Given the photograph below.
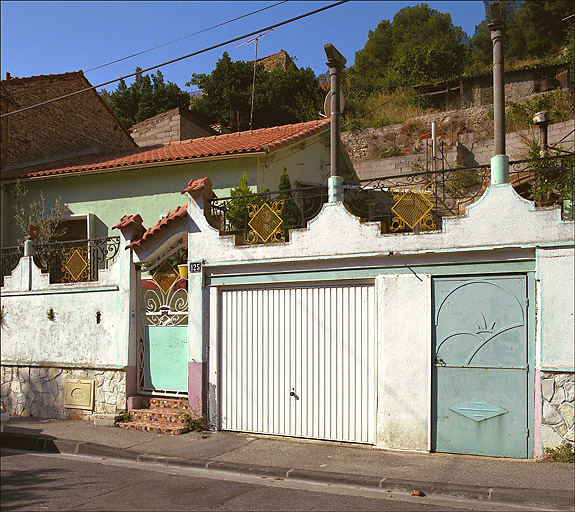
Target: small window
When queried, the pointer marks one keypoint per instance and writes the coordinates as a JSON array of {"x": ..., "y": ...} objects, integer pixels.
[{"x": 73, "y": 228}]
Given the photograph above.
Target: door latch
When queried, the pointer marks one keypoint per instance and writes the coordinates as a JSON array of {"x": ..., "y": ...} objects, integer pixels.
[
  {"x": 439, "y": 361},
  {"x": 292, "y": 392}
]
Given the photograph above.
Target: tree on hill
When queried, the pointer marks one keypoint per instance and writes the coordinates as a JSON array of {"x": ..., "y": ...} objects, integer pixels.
[
  {"x": 534, "y": 29},
  {"x": 421, "y": 44},
  {"x": 145, "y": 98},
  {"x": 281, "y": 97}
]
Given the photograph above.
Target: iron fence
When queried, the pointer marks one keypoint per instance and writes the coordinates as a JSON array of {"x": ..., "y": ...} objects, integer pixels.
[
  {"x": 411, "y": 202},
  {"x": 77, "y": 261},
  {"x": 9, "y": 258},
  {"x": 548, "y": 181},
  {"x": 267, "y": 216},
  {"x": 416, "y": 202}
]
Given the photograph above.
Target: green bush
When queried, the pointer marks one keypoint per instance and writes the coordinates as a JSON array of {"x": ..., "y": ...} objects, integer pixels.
[
  {"x": 519, "y": 115},
  {"x": 563, "y": 453},
  {"x": 193, "y": 422},
  {"x": 124, "y": 417}
]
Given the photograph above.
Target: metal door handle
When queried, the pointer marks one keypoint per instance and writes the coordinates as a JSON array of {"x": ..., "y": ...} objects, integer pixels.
[
  {"x": 439, "y": 361},
  {"x": 292, "y": 392}
]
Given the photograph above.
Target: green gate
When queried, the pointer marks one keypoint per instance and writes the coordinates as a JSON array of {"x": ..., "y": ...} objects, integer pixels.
[
  {"x": 480, "y": 366},
  {"x": 163, "y": 353}
]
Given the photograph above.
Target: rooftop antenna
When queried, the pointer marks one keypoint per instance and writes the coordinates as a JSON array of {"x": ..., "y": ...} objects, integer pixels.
[{"x": 256, "y": 39}]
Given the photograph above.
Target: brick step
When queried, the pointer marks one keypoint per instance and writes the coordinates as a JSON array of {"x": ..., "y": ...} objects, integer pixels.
[
  {"x": 169, "y": 403},
  {"x": 157, "y": 427},
  {"x": 159, "y": 414}
]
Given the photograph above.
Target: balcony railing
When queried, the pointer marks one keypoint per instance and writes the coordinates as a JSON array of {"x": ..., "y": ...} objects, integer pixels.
[
  {"x": 9, "y": 258},
  {"x": 268, "y": 216},
  {"x": 67, "y": 262},
  {"x": 78, "y": 260},
  {"x": 414, "y": 202}
]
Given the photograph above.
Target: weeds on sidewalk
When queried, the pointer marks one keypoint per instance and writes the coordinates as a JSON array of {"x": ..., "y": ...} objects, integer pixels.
[
  {"x": 124, "y": 417},
  {"x": 193, "y": 419},
  {"x": 563, "y": 453}
]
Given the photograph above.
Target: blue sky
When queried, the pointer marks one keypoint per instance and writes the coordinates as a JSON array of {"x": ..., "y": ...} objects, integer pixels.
[{"x": 56, "y": 37}]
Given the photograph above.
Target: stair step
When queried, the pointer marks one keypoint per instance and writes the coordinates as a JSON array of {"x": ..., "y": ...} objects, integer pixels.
[
  {"x": 155, "y": 426},
  {"x": 169, "y": 403},
  {"x": 159, "y": 414}
]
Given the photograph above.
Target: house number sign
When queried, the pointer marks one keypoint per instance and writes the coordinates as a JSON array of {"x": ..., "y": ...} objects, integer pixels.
[{"x": 195, "y": 267}]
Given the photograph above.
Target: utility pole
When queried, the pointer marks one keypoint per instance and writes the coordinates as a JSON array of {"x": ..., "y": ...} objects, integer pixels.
[
  {"x": 336, "y": 62},
  {"x": 499, "y": 161}
]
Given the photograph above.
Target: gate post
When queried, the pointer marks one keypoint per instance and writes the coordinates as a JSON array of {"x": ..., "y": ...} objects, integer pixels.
[{"x": 132, "y": 228}]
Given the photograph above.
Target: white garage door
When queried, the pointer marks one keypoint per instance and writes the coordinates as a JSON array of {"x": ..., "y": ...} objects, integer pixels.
[{"x": 299, "y": 362}]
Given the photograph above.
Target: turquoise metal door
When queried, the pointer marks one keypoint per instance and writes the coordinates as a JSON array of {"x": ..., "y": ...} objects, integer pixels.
[
  {"x": 480, "y": 366},
  {"x": 163, "y": 353},
  {"x": 166, "y": 353}
]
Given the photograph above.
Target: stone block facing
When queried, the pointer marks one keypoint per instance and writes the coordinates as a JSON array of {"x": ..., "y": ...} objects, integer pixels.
[
  {"x": 557, "y": 394},
  {"x": 39, "y": 391}
]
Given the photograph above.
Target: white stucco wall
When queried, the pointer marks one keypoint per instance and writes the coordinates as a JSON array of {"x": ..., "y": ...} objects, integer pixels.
[
  {"x": 74, "y": 337},
  {"x": 500, "y": 219},
  {"x": 501, "y": 226},
  {"x": 555, "y": 275},
  {"x": 403, "y": 361}
]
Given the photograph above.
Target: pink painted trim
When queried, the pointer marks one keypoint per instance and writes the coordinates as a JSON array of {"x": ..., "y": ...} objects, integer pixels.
[
  {"x": 537, "y": 450},
  {"x": 196, "y": 385},
  {"x": 131, "y": 380}
]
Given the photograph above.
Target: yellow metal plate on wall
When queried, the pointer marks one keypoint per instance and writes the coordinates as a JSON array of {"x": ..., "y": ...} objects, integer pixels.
[{"x": 79, "y": 394}]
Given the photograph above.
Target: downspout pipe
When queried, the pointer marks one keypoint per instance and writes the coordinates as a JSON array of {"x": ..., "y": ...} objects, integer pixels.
[
  {"x": 499, "y": 161},
  {"x": 336, "y": 62}
]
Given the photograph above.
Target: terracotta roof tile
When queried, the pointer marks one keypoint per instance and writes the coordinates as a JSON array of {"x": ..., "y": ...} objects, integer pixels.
[
  {"x": 16, "y": 79},
  {"x": 195, "y": 185},
  {"x": 178, "y": 213},
  {"x": 129, "y": 220},
  {"x": 264, "y": 139}
]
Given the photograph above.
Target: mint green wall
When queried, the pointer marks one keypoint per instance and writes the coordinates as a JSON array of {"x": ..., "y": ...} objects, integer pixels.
[
  {"x": 155, "y": 191},
  {"x": 308, "y": 162},
  {"x": 151, "y": 192}
]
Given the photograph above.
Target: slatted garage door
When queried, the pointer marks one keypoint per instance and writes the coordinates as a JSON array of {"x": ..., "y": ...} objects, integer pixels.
[{"x": 299, "y": 362}]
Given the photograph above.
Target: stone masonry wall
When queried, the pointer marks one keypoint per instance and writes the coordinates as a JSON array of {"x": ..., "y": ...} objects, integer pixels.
[
  {"x": 469, "y": 153},
  {"x": 76, "y": 125},
  {"x": 557, "y": 392},
  {"x": 39, "y": 391}
]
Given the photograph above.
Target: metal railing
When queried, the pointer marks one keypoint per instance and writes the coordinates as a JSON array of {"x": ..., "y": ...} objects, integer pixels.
[
  {"x": 412, "y": 202},
  {"x": 67, "y": 262},
  {"x": 416, "y": 202},
  {"x": 267, "y": 216},
  {"x": 78, "y": 260},
  {"x": 9, "y": 258}
]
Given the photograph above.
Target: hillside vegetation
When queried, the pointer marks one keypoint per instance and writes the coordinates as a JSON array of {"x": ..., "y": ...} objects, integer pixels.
[{"x": 419, "y": 45}]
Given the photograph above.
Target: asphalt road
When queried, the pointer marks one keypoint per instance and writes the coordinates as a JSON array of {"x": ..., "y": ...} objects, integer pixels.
[{"x": 33, "y": 481}]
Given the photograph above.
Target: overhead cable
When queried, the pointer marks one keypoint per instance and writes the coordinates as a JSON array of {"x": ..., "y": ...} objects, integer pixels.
[
  {"x": 185, "y": 37},
  {"x": 219, "y": 45}
]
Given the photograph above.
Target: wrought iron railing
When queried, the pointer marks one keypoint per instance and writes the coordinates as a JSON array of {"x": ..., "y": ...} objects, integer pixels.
[
  {"x": 267, "y": 216},
  {"x": 78, "y": 260},
  {"x": 412, "y": 202},
  {"x": 549, "y": 181},
  {"x": 416, "y": 202},
  {"x": 9, "y": 258}
]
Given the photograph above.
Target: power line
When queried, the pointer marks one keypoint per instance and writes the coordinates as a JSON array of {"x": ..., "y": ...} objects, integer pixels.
[
  {"x": 219, "y": 45},
  {"x": 185, "y": 37}
]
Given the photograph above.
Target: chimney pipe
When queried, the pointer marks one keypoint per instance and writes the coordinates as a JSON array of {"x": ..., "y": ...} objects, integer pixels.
[{"x": 541, "y": 119}]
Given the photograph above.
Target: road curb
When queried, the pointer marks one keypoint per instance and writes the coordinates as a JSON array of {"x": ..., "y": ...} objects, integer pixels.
[{"x": 534, "y": 497}]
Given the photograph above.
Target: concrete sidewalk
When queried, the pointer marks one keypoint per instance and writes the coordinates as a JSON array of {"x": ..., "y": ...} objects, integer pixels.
[{"x": 544, "y": 484}]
